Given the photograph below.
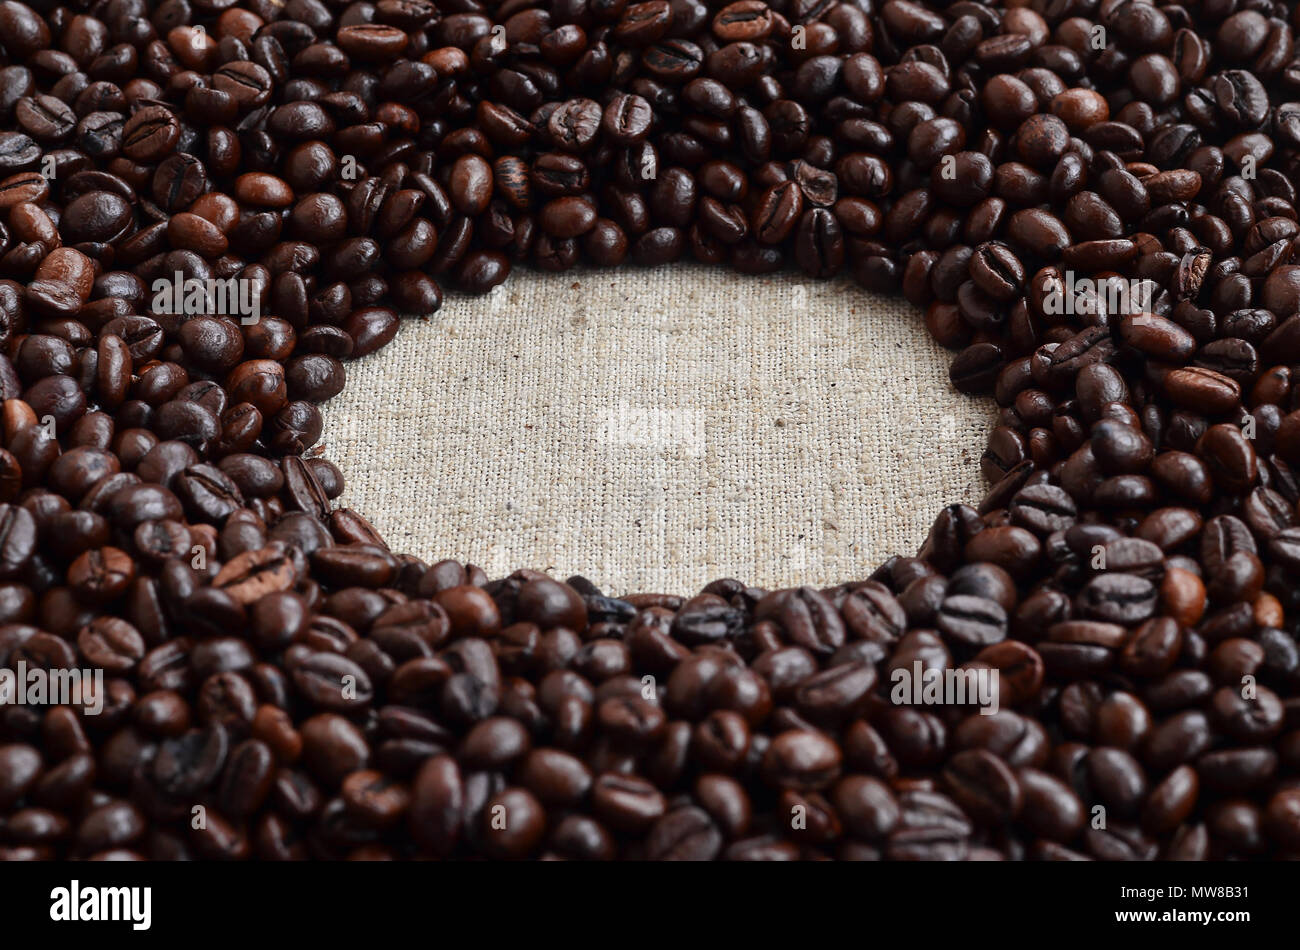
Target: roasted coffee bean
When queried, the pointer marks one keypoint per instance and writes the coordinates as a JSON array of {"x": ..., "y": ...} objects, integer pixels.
[
  {"x": 983, "y": 785},
  {"x": 1105, "y": 238}
]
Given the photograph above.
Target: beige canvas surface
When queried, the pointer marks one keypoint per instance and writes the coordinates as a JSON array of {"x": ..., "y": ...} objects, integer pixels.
[{"x": 654, "y": 430}]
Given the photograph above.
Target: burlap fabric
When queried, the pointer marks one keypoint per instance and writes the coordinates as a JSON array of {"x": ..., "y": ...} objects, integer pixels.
[{"x": 655, "y": 430}]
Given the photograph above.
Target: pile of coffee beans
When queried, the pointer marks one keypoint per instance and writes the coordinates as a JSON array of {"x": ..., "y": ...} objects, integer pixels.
[{"x": 206, "y": 207}]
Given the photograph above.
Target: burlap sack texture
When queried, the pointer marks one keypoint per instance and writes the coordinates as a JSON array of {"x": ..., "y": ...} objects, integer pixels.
[{"x": 656, "y": 429}]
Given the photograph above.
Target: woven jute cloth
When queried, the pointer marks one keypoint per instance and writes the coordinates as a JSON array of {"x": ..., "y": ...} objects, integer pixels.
[{"x": 654, "y": 430}]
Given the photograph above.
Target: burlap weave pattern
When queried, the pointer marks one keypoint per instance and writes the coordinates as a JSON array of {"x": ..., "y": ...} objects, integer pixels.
[{"x": 654, "y": 430}]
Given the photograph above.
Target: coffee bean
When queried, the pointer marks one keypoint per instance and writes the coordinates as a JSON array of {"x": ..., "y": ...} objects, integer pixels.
[
  {"x": 802, "y": 760},
  {"x": 983, "y": 785},
  {"x": 684, "y": 834},
  {"x": 150, "y": 134},
  {"x": 627, "y": 803},
  {"x": 971, "y": 621},
  {"x": 112, "y": 644},
  {"x": 190, "y": 763},
  {"x": 1139, "y": 525}
]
